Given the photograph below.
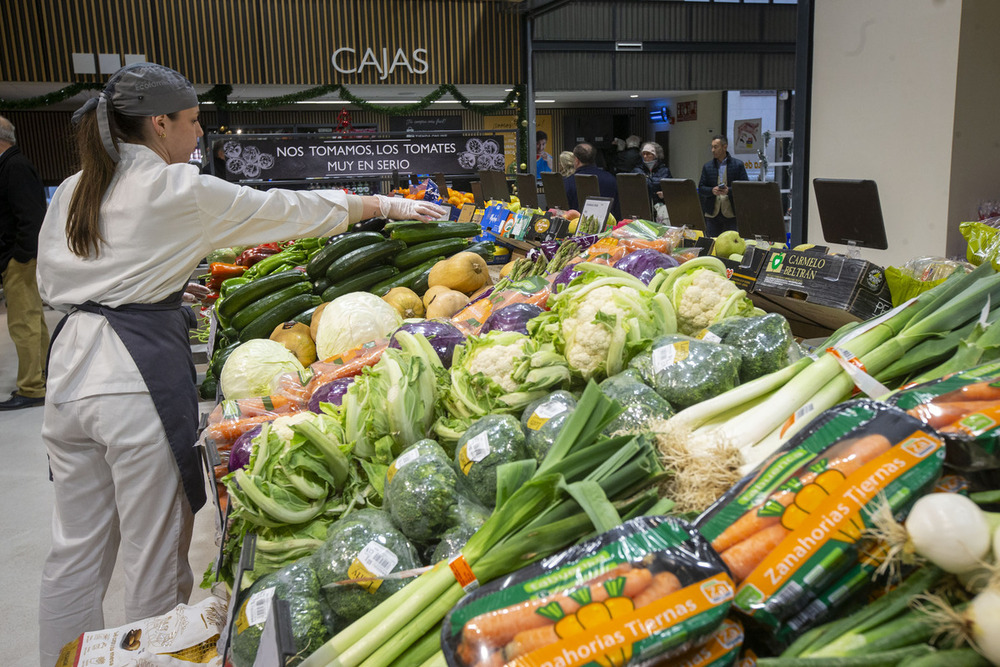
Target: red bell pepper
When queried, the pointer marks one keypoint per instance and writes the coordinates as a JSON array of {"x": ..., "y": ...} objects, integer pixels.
[{"x": 251, "y": 256}]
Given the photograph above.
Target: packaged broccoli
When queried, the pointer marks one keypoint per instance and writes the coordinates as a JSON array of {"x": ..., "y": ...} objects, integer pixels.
[
  {"x": 686, "y": 370},
  {"x": 363, "y": 545},
  {"x": 452, "y": 542},
  {"x": 421, "y": 491},
  {"x": 487, "y": 444},
  {"x": 765, "y": 343},
  {"x": 543, "y": 419},
  {"x": 298, "y": 585},
  {"x": 640, "y": 402}
]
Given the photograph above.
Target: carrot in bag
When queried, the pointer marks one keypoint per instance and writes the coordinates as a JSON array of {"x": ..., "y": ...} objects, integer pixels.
[
  {"x": 224, "y": 433},
  {"x": 939, "y": 414},
  {"x": 252, "y": 407}
]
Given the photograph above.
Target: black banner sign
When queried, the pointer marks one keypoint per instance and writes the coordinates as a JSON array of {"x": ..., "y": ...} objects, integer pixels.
[{"x": 279, "y": 158}]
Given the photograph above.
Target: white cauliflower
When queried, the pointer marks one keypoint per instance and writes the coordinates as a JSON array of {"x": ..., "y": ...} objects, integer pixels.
[
  {"x": 587, "y": 340},
  {"x": 701, "y": 300},
  {"x": 498, "y": 362}
]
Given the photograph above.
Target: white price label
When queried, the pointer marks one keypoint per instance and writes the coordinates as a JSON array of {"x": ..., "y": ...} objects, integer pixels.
[
  {"x": 406, "y": 457},
  {"x": 550, "y": 410},
  {"x": 478, "y": 448},
  {"x": 711, "y": 337},
  {"x": 259, "y": 606},
  {"x": 670, "y": 354},
  {"x": 377, "y": 559}
]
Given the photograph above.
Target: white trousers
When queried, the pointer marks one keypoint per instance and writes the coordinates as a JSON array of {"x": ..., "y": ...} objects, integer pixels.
[{"x": 116, "y": 483}]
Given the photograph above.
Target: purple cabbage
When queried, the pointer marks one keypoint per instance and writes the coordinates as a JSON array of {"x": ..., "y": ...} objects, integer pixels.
[
  {"x": 643, "y": 263},
  {"x": 512, "y": 318},
  {"x": 564, "y": 277},
  {"x": 442, "y": 336},
  {"x": 239, "y": 455},
  {"x": 331, "y": 392}
]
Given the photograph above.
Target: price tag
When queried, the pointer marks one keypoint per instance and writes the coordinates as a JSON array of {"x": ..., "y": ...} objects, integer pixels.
[
  {"x": 797, "y": 416},
  {"x": 400, "y": 462},
  {"x": 447, "y": 212},
  {"x": 258, "y": 607},
  {"x": 544, "y": 413},
  {"x": 670, "y": 354},
  {"x": 711, "y": 337},
  {"x": 463, "y": 573},
  {"x": 465, "y": 215},
  {"x": 473, "y": 451},
  {"x": 858, "y": 373},
  {"x": 378, "y": 559}
]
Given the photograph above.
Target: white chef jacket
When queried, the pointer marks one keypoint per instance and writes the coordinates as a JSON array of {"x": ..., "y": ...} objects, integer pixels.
[{"x": 158, "y": 221}]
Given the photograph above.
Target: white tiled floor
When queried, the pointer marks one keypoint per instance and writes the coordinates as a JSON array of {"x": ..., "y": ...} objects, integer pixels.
[{"x": 25, "y": 516}]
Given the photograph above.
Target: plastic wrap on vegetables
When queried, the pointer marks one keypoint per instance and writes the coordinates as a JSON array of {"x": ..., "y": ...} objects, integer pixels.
[
  {"x": 721, "y": 649},
  {"x": 452, "y": 542},
  {"x": 488, "y": 443},
  {"x": 685, "y": 371},
  {"x": 360, "y": 550},
  {"x": 640, "y": 402},
  {"x": 421, "y": 491},
  {"x": 765, "y": 343},
  {"x": 232, "y": 418},
  {"x": 792, "y": 528},
  {"x": 650, "y": 588},
  {"x": 296, "y": 584},
  {"x": 543, "y": 419},
  {"x": 964, "y": 408},
  {"x": 534, "y": 290}
]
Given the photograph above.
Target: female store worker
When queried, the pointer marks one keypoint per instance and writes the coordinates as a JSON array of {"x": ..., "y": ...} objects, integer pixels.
[{"x": 119, "y": 241}]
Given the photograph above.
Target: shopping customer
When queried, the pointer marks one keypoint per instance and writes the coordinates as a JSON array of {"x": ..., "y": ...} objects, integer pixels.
[
  {"x": 22, "y": 207},
  {"x": 567, "y": 164},
  {"x": 654, "y": 169},
  {"x": 584, "y": 158},
  {"x": 716, "y": 175},
  {"x": 118, "y": 244}
]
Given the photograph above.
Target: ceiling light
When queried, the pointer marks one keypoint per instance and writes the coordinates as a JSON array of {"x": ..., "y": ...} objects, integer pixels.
[
  {"x": 508, "y": 90},
  {"x": 470, "y": 101},
  {"x": 544, "y": 101},
  {"x": 633, "y": 96}
]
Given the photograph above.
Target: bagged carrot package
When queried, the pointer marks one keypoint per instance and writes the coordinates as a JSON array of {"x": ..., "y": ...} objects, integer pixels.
[
  {"x": 647, "y": 590},
  {"x": 792, "y": 527},
  {"x": 720, "y": 650},
  {"x": 965, "y": 409}
]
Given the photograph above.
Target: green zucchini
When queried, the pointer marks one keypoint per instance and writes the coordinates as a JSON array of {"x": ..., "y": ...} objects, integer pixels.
[
  {"x": 422, "y": 232},
  {"x": 229, "y": 284},
  {"x": 419, "y": 254},
  {"x": 257, "y": 308},
  {"x": 363, "y": 258},
  {"x": 484, "y": 249},
  {"x": 360, "y": 282},
  {"x": 404, "y": 279},
  {"x": 263, "y": 325},
  {"x": 419, "y": 284},
  {"x": 244, "y": 295},
  {"x": 321, "y": 285},
  {"x": 305, "y": 317},
  {"x": 339, "y": 246}
]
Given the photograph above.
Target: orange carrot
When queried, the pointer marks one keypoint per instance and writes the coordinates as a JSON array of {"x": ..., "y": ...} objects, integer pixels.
[
  {"x": 481, "y": 656},
  {"x": 940, "y": 414},
  {"x": 980, "y": 391},
  {"x": 530, "y": 640},
  {"x": 856, "y": 454},
  {"x": 742, "y": 558},
  {"x": 252, "y": 407},
  {"x": 498, "y": 627},
  {"x": 663, "y": 584},
  {"x": 226, "y": 432}
]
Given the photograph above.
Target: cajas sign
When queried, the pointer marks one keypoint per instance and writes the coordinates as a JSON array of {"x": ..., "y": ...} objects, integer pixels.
[{"x": 347, "y": 61}]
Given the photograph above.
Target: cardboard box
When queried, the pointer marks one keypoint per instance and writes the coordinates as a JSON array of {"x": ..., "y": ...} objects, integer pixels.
[
  {"x": 744, "y": 273},
  {"x": 819, "y": 293}
]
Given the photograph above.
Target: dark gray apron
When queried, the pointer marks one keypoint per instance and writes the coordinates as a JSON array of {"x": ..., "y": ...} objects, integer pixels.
[{"x": 156, "y": 336}]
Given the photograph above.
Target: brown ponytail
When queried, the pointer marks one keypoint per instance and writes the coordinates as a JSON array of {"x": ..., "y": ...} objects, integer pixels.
[{"x": 83, "y": 232}]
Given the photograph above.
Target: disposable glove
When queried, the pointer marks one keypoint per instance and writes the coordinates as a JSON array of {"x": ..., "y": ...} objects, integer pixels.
[{"x": 400, "y": 208}]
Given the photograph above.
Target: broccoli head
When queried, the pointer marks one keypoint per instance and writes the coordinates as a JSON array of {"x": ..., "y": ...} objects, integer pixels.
[
  {"x": 488, "y": 443},
  {"x": 640, "y": 402},
  {"x": 543, "y": 419},
  {"x": 422, "y": 495},
  {"x": 765, "y": 343},
  {"x": 298, "y": 585},
  {"x": 364, "y": 544},
  {"x": 452, "y": 542},
  {"x": 685, "y": 371}
]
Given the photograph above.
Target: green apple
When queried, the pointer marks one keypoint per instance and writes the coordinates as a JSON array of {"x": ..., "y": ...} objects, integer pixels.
[{"x": 729, "y": 243}]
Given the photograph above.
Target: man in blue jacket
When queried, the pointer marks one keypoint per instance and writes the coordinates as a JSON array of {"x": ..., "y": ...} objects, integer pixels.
[
  {"x": 584, "y": 155},
  {"x": 716, "y": 176}
]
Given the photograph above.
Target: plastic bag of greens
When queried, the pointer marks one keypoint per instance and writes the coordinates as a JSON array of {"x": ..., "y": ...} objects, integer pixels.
[
  {"x": 298, "y": 585},
  {"x": 686, "y": 370},
  {"x": 983, "y": 242},
  {"x": 639, "y": 401},
  {"x": 421, "y": 491},
  {"x": 765, "y": 343},
  {"x": 363, "y": 545},
  {"x": 487, "y": 444},
  {"x": 452, "y": 543},
  {"x": 543, "y": 420}
]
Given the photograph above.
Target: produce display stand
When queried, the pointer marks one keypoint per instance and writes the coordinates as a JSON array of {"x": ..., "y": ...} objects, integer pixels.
[{"x": 683, "y": 205}]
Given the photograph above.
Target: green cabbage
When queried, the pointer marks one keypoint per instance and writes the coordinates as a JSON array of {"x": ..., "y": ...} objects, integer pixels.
[
  {"x": 351, "y": 320},
  {"x": 250, "y": 369}
]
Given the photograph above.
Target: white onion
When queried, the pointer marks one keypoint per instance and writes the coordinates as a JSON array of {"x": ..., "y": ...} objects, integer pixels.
[
  {"x": 950, "y": 531},
  {"x": 984, "y": 614}
]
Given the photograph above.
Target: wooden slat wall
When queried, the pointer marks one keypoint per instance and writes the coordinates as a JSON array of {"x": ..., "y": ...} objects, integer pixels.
[
  {"x": 264, "y": 41},
  {"x": 46, "y": 136}
]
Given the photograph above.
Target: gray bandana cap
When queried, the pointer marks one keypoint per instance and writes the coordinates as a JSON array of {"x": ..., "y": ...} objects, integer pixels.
[{"x": 139, "y": 89}]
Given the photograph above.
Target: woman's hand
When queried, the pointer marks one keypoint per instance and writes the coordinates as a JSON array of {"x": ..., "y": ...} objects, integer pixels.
[{"x": 400, "y": 208}]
